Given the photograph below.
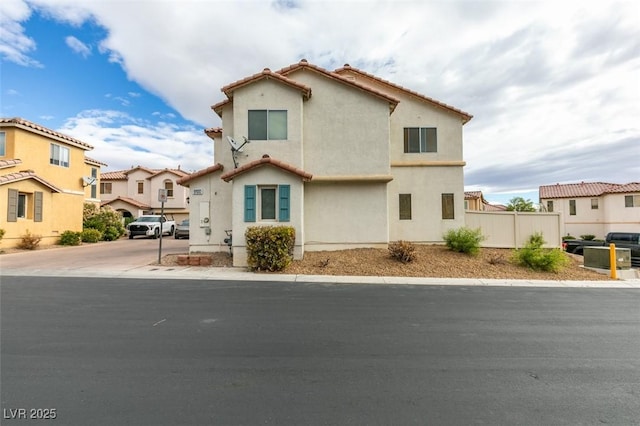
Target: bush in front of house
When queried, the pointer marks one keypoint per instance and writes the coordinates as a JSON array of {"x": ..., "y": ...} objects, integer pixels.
[
  {"x": 70, "y": 238},
  {"x": 404, "y": 251},
  {"x": 91, "y": 235},
  {"x": 270, "y": 248},
  {"x": 106, "y": 220},
  {"x": 29, "y": 241},
  {"x": 588, "y": 237},
  {"x": 534, "y": 256},
  {"x": 464, "y": 240}
]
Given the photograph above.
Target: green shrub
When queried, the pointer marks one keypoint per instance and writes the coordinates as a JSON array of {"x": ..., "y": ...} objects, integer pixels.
[
  {"x": 2, "y": 231},
  {"x": 29, "y": 241},
  {"x": 568, "y": 237},
  {"x": 404, "y": 251},
  {"x": 464, "y": 240},
  {"x": 70, "y": 238},
  {"x": 111, "y": 233},
  {"x": 588, "y": 237},
  {"x": 533, "y": 256},
  {"x": 103, "y": 219},
  {"x": 91, "y": 235},
  {"x": 270, "y": 248}
]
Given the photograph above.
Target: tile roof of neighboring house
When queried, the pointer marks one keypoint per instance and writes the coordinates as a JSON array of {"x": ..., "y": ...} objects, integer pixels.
[
  {"x": 94, "y": 162},
  {"x": 211, "y": 169},
  {"x": 127, "y": 200},
  {"x": 146, "y": 169},
  {"x": 266, "y": 74},
  {"x": 305, "y": 65},
  {"x": 348, "y": 68},
  {"x": 217, "y": 108},
  {"x": 115, "y": 175},
  {"x": 473, "y": 195},
  {"x": 488, "y": 207},
  {"x": 585, "y": 189},
  {"x": 177, "y": 172},
  {"x": 27, "y": 174},
  {"x": 266, "y": 160},
  {"x": 10, "y": 163},
  {"x": 20, "y": 122},
  {"x": 212, "y": 131}
]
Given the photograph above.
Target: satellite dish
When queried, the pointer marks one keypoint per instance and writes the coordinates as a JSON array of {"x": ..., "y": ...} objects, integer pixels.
[
  {"x": 236, "y": 148},
  {"x": 88, "y": 180}
]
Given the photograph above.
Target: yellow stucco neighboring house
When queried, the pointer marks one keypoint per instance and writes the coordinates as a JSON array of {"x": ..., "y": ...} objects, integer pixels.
[{"x": 45, "y": 178}]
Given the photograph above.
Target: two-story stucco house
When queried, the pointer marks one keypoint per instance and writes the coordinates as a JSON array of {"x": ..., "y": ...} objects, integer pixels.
[
  {"x": 134, "y": 192},
  {"x": 45, "y": 179},
  {"x": 594, "y": 208},
  {"x": 347, "y": 159}
]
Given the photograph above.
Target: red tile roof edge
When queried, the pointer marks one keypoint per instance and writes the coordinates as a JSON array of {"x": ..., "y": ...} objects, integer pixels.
[
  {"x": 585, "y": 189},
  {"x": 211, "y": 169},
  {"x": 266, "y": 160},
  {"x": 27, "y": 174},
  {"x": 94, "y": 161},
  {"x": 266, "y": 74},
  {"x": 127, "y": 200},
  {"x": 17, "y": 121},
  {"x": 10, "y": 162},
  {"x": 465, "y": 115}
]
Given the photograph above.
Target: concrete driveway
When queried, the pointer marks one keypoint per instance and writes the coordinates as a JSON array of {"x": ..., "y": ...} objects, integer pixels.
[{"x": 123, "y": 254}]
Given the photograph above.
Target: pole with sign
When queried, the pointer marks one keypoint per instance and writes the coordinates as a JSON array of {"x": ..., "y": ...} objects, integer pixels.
[{"x": 162, "y": 197}]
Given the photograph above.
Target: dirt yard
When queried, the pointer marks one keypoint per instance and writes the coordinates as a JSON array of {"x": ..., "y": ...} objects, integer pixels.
[{"x": 431, "y": 261}]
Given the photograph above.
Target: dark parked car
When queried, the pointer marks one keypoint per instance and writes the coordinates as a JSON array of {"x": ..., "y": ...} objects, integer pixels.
[{"x": 182, "y": 230}]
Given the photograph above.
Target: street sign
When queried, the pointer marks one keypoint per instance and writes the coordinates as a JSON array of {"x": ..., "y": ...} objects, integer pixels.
[{"x": 162, "y": 195}]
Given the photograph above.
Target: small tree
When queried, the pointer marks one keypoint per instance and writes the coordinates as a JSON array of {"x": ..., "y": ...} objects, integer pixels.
[
  {"x": 106, "y": 220},
  {"x": 519, "y": 204}
]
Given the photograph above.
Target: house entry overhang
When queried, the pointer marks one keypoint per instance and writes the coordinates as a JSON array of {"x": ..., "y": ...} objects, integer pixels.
[{"x": 266, "y": 161}]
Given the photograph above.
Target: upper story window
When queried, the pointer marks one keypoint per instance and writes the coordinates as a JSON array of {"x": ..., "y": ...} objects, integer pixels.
[
  {"x": 168, "y": 185},
  {"x": 94, "y": 185},
  {"x": 140, "y": 186},
  {"x": 267, "y": 124},
  {"x": 105, "y": 187},
  {"x": 632, "y": 200},
  {"x": 3, "y": 147},
  {"x": 420, "y": 139},
  {"x": 59, "y": 155}
]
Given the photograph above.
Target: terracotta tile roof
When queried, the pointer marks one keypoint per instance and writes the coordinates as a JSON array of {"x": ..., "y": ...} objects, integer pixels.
[
  {"x": 213, "y": 131},
  {"x": 585, "y": 189},
  {"x": 10, "y": 163},
  {"x": 304, "y": 65},
  {"x": 266, "y": 160},
  {"x": 20, "y": 122},
  {"x": 127, "y": 200},
  {"x": 177, "y": 172},
  {"x": 116, "y": 175},
  {"x": 27, "y": 174},
  {"x": 146, "y": 169},
  {"x": 348, "y": 68},
  {"x": 494, "y": 207},
  {"x": 185, "y": 180},
  {"x": 267, "y": 74},
  {"x": 473, "y": 195},
  {"x": 94, "y": 162},
  {"x": 217, "y": 108}
]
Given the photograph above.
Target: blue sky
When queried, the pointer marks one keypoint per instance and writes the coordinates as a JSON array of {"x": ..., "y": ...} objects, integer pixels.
[{"x": 553, "y": 86}]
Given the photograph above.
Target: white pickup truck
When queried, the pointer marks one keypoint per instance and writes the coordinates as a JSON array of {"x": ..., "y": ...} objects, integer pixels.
[{"x": 149, "y": 226}]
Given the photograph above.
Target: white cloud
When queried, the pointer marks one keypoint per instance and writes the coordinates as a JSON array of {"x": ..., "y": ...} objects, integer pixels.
[
  {"x": 15, "y": 46},
  {"x": 546, "y": 81},
  {"x": 77, "y": 46}
]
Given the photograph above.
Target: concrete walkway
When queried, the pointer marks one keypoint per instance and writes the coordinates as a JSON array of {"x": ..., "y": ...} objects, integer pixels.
[{"x": 627, "y": 279}]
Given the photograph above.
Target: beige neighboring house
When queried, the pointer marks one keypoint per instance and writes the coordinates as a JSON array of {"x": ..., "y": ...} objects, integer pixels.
[
  {"x": 595, "y": 208},
  {"x": 347, "y": 159},
  {"x": 134, "y": 192},
  {"x": 474, "y": 201}
]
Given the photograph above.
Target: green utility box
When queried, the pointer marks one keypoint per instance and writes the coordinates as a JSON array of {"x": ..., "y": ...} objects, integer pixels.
[{"x": 598, "y": 257}]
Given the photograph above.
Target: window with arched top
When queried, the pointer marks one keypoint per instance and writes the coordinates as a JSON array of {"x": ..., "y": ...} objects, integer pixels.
[{"x": 168, "y": 185}]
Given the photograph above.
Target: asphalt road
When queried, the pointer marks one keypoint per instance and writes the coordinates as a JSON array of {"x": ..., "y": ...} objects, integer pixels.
[{"x": 160, "y": 352}]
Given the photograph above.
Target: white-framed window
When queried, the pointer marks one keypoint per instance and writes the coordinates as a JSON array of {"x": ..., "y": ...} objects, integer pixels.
[
  {"x": 59, "y": 155},
  {"x": 94, "y": 185},
  {"x": 420, "y": 139},
  {"x": 632, "y": 200},
  {"x": 24, "y": 205},
  {"x": 105, "y": 187},
  {"x": 3, "y": 144},
  {"x": 268, "y": 202},
  {"x": 267, "y": 124},
  {"x": 168, "y": 186}
]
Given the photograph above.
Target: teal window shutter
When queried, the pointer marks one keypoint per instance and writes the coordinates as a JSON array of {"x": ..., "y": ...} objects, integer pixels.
[
  {"x": 249, "y": 203},
  {"x": 284, "y": 205}
]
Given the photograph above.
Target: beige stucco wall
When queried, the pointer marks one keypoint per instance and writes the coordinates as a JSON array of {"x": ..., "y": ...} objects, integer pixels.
[
  {"x": 269, "y": 95},
  {"x": 426, "y": 186},
  {"x": 513, "y": 229},
  {"x": 345, "y": 215},
  {"x": 266, "y": 175},
  {"x": 346, "y": 131}
]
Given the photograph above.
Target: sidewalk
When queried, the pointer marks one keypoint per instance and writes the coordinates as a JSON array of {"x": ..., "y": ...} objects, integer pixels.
[{"x": 626, "y": 279}]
